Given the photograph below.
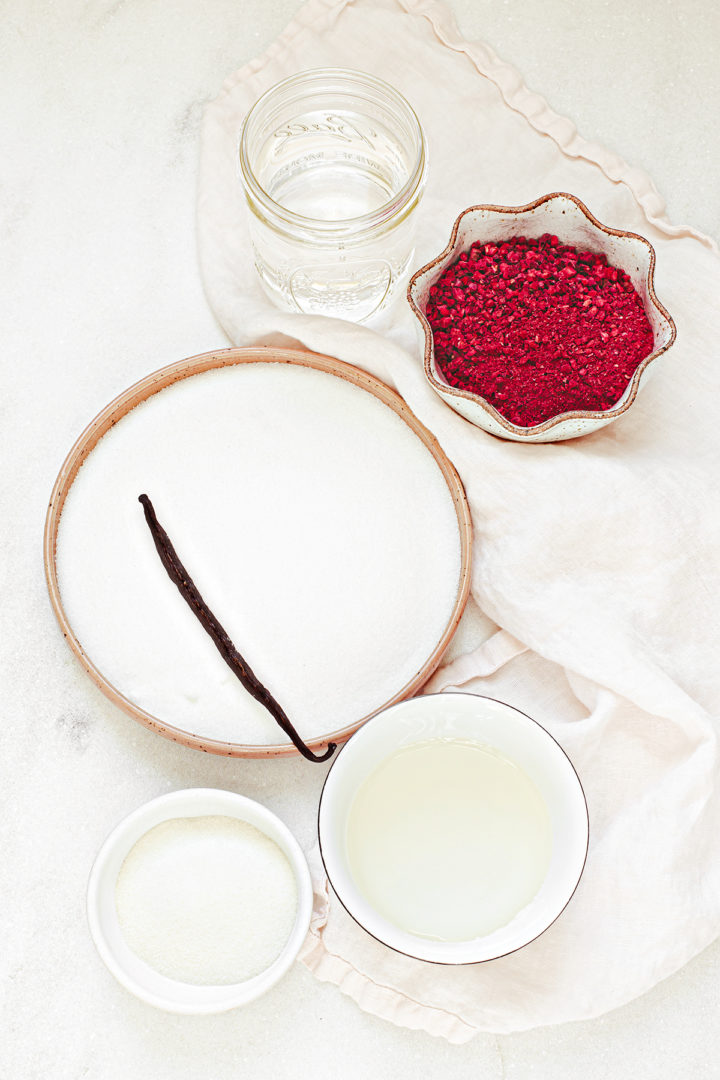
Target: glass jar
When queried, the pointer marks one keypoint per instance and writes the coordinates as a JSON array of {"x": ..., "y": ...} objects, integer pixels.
[{"x": 333, "y": 164}]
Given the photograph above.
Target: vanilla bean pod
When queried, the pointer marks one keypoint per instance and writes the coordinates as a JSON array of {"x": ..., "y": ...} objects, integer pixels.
[{"x": 237, "y": 664}]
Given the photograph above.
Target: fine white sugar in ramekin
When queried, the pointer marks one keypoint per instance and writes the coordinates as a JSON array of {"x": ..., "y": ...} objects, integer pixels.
[{"x": 278, "y": 894}]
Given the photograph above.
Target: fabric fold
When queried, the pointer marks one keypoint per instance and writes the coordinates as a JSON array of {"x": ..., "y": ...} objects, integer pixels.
[{"x": 595, "y": 559}]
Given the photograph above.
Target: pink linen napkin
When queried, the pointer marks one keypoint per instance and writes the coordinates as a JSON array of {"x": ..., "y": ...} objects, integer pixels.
[{"x": 597, "y": 559}]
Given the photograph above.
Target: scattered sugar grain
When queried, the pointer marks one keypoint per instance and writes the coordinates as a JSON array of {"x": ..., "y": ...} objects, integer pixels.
[{"x": 206, "y": 900}]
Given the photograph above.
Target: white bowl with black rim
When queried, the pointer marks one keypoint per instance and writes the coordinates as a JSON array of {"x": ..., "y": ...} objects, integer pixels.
[
  {"x": 500, "y": 729},
  {"x": 568, "y": 218}
]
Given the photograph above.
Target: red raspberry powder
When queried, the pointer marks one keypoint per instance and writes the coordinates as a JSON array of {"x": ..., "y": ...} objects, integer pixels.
[{"x": 538, "y": 328}]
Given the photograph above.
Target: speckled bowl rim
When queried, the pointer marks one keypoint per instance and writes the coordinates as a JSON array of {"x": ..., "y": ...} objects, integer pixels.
[
  {"x": 578, "y": 414},
  {"x": 194, "y": 365}
]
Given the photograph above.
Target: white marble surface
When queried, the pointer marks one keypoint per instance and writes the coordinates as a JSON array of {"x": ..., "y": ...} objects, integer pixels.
[{"x": 102, "y": 101}]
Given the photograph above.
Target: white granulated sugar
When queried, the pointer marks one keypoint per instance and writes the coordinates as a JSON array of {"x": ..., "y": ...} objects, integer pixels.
[
  {"x": 206, "y": 900},
  {"x": 317, "y": 526}
]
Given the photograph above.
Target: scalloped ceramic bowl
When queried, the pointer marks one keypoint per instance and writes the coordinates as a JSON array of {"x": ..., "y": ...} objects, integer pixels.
[{"x": 564, "y": 216}]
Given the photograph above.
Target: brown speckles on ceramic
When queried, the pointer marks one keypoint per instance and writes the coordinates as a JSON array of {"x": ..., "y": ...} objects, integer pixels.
[{"x": 567, "y": 217}]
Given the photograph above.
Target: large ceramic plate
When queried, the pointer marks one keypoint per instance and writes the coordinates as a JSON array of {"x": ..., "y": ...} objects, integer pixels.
[{"x": 320, "y": 520}]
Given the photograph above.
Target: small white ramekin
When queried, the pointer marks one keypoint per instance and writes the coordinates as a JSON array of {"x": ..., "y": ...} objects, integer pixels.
[
  {"x": 132, "y": 972},
  {"x": 516, "y": 737}
]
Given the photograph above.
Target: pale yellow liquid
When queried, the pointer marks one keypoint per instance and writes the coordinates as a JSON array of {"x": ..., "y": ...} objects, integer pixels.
[{"x": 448, "y": 839}]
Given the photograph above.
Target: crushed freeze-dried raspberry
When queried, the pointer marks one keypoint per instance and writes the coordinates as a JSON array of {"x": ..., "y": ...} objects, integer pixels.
[{"x": 538, "y": 328}]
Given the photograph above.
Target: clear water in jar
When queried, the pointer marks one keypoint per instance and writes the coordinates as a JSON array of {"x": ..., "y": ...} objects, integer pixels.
[{"x": 334, "y": 166}]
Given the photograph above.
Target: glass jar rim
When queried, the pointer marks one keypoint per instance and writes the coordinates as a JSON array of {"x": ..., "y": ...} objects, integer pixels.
[{"x": 345, "y": 227}]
